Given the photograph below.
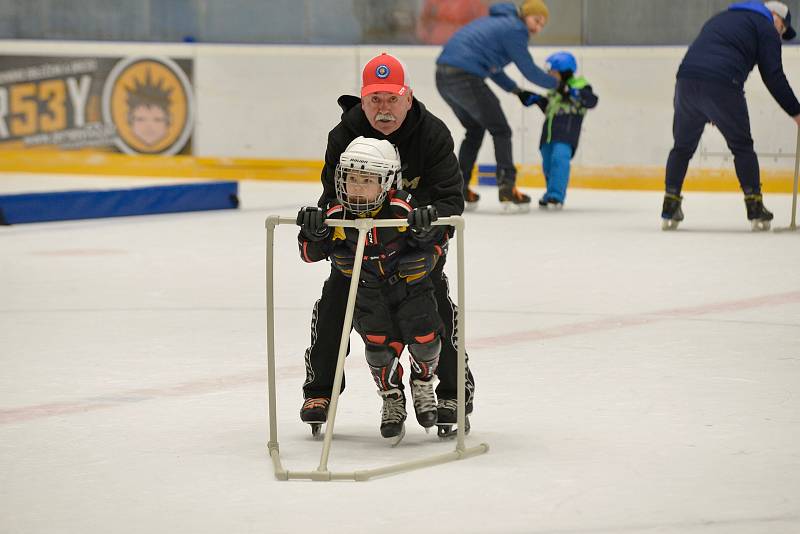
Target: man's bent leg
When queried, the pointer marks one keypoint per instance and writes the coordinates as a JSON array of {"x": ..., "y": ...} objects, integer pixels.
[
  {"x": 729, "y": 114},
  {"x": 327, "y": 322},
  {"x": 491, "y": 115},
  {"x": 457, "y": 91},
  {"x": 448, "y": 357},
  {"x": 687, "y": 127}
]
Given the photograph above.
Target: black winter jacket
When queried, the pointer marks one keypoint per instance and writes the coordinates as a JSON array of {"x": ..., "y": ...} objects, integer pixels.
[{"x": 430, "y": 167}]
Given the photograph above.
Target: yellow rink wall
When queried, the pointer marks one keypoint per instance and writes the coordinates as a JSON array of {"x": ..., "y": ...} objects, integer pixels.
[{"x": 104, "y": 163}]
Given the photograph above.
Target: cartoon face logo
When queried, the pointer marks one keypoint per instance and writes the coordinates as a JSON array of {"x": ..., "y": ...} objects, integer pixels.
[
  {"x": 382, "y": 72},
  {"x": 150, "y": 102}
]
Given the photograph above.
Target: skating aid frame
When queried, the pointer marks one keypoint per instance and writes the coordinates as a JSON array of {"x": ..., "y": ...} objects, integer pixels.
[
  {"x": 322, "y": 472},
  {"x": 793, "y": 224}
]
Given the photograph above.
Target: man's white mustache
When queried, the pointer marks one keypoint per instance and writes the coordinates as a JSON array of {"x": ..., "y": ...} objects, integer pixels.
[{"x": 384, "y": 117}]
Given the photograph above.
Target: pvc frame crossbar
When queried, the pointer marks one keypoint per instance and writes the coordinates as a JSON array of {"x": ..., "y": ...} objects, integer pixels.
[{"x": 322, "y": 472}]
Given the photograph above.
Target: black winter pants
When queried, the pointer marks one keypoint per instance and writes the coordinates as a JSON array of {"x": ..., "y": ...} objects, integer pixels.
[
  {"x": 327, "y": 322},
  {"x": 478, "y": 110},
  {"x": 698, "y": 102}
]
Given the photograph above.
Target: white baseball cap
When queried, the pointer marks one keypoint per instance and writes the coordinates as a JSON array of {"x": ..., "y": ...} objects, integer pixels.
[{"x": 782, "y": 10}]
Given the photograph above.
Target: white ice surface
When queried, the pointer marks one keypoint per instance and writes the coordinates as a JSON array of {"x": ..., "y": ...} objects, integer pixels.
[{"x": 628, "y": 380}]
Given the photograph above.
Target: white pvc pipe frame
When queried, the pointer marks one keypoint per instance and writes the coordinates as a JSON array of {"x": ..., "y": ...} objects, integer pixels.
[
  {"x": 793, "y": 224},
  {"x": 322, "y": 472}
]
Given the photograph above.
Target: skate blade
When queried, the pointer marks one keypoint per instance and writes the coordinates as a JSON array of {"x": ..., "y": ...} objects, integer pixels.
[
  {"x": 394, "y": 441},
  {"x": 316, "y": 430},
  {"x": 470, "y": 206},
  {"x": 669, "y": 224},
  {"x": 759, "y": 226},
  {"x": 509, "y": 208},
  {"x": 450, "y": 431},
  {"x": 551, "y": 207}
]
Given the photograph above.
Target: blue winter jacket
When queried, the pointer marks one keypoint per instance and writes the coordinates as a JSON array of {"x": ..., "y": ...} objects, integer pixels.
[
  {"x": 731, "y": 43},
  {"x": 486, "y": 45}
]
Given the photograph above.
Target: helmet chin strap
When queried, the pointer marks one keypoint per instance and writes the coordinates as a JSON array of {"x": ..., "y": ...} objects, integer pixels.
[{"x": 398, "y": 180}]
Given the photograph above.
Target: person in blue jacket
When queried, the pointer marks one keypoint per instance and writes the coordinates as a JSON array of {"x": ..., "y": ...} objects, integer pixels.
[
  {"x": 564, "y": 112},
  {"x": 710, "y": 88},
  {"x": 479, "y": 50}
]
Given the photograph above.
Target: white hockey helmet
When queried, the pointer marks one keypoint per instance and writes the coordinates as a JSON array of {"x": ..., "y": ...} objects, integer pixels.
[{"x": 366, "y": 160}]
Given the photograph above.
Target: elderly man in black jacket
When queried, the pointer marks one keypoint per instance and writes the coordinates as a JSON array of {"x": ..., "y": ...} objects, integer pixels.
[
  {"x": 388, "y": 110},
  {"x": 710, "y": 89}
]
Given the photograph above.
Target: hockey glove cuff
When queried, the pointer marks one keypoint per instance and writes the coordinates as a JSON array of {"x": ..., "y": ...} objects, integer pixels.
[
  {"x": 416, "y": 265},
  {"x": 343, "y": 260}
]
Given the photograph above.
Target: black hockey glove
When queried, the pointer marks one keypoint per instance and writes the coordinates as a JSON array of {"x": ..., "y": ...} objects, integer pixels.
[
  {"x": 527, "y": 98},
  {"x": 311, "y": 221},
  {"x": 415, "y": 265},
  {"x": 420, "y": 220},
  {"x": 343, "y": 260},
  {"x": 542, "y": 103},
  {"x": 563, "y": 85}
]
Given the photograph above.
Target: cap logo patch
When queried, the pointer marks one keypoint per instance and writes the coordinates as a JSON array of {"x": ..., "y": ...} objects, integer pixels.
[{"x": 382, "y": 72}]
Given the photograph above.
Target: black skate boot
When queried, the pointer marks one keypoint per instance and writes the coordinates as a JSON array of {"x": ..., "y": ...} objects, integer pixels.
[
  {"x": 550, "y": 203},
  {"x": 424, "y": 402},
  {"x": 393, "y": 415},
  {"x": 757, "y": 214},
  {"x": 315, "y": 413},
  {"x": 671, "y": 212},
  {"x": 447, "y": 417},
  {"x": 471, "y": 199},
  {"x": 513, "y": 200}
]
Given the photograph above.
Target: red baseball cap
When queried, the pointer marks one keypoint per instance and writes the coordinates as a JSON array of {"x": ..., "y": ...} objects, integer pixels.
[{"x": 384, "y": 73}]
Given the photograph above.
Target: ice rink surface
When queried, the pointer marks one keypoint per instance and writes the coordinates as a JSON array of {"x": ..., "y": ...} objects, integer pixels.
[{"x": 628, "y": 380}]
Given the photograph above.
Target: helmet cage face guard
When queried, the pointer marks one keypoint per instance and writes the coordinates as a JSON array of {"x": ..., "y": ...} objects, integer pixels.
[{"x": 359, "y": 172}]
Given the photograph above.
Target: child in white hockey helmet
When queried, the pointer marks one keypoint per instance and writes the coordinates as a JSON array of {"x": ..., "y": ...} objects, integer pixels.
[
  {"x": 564, "y": 109},
  {"x": 395, "y": 305}
]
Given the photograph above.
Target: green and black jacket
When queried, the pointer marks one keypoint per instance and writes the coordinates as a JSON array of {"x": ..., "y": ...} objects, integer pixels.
[{"x": 564, "y": 113}]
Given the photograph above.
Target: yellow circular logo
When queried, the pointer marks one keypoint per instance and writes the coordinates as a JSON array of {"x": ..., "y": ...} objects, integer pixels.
[{"x": 150, "y": 102}]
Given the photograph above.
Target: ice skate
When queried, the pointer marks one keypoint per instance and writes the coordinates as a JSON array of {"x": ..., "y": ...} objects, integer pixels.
[
  {"x": 671, "y": 212},
  {"x": 424, "y": 402},
  {"x": 393, "y": 415},
  {"x": 757, "y": 214},
  {"x": 315, "y": 413},
  {"x": 512, "y": 200},
  {"x": 471, "y": 199},
  {"x": 550, "y": 204},
  {"x": 447, "y": 418}
]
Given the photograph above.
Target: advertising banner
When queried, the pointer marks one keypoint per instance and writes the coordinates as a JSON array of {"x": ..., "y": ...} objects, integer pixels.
[{"x": 133, "y": 105}]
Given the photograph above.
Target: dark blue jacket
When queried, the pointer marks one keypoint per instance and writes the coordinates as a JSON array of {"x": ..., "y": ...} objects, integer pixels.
[
  {"x": 486, "y": 45},
  {"x": 731, "y": 43}
]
